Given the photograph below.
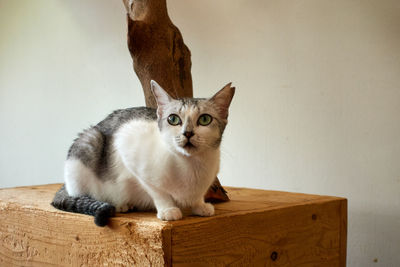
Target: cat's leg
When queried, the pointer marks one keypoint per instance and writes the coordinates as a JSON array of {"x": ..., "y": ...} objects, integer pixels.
[
  {"x": 166, "y": 208},
  {"x": 78, "y": 178},
  {"x": 165, "y": 205},
  {"x": 202, "y": 209},
  {"x": 129, "y": 195},
  {"x": 83, "y": 158}
]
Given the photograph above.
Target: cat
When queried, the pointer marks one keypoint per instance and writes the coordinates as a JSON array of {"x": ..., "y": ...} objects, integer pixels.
[{"x": 144, "y": 159}]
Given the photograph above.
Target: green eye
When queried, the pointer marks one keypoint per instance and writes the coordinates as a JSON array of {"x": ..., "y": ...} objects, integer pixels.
[
  {"x": 204, "y": 120},
  {"x": 174, "y": 119}
]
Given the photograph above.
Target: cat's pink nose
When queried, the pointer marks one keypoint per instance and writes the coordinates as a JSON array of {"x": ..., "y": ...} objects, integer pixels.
[{"x": 188, "y": 134}]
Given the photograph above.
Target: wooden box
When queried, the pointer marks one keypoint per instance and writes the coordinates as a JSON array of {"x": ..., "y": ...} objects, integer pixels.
[{"x": 256, "y": 228}]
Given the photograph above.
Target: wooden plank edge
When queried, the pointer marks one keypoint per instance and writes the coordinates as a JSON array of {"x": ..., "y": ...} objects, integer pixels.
[
  {"x": 280, "y": 191},
  {"x": 343, "y": 233},
  {"x": 36, "y": 186},
  {"x": 166, "y": 233},
  {"x": 201, "y": 220}
]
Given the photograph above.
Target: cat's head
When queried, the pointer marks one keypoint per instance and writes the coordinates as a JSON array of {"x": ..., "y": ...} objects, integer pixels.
[{"x": 192, "y": 125}]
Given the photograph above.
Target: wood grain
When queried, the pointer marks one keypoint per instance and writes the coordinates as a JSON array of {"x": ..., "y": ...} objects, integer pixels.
[
  {"x": 256, "y": 228},
  {"x": 157, "y": 49},
  {"x": 34, "y": 233},
  {"x": 243, "y": 240}
]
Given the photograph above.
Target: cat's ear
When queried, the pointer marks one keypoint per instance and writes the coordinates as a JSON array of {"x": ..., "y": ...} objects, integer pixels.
[
  {"x": 161, "y": 96},
  {"x": 222, "y": 99}
]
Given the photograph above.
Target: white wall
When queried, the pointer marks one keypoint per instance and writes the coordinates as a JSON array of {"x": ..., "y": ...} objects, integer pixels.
[{"x": 316, "y": 111}]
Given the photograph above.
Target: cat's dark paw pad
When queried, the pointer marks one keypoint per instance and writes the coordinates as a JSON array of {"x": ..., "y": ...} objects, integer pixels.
[
  {"x": 204, "y": 209},
  {"x": 170, "y": 214}
]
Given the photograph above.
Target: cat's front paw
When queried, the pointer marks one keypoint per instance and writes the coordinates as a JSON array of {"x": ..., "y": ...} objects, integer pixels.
[
  {"x": 203, "y": 209},
  {"x": 170, "y": 214},
  {"x": 122, "y": 208},
  {"x": 125, "y": 207}
]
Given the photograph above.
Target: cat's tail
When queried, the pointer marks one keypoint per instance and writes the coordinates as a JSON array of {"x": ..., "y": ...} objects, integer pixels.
[{"x": 84, "y": 204}]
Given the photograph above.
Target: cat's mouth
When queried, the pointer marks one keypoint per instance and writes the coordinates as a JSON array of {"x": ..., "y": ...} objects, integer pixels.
[{"x": 188, "y": 145}]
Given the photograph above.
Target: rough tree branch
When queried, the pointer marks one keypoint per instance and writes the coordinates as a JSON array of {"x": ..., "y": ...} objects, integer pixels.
[{"x": 159, "y": 53}]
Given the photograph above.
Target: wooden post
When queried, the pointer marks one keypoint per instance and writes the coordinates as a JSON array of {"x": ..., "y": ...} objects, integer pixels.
[
  {"x": 159, "y": 53},
  {"x": 157, "y": 49}
]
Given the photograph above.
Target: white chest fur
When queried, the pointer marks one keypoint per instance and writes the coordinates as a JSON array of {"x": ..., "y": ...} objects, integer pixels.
[{"x": 160, "y": 170}]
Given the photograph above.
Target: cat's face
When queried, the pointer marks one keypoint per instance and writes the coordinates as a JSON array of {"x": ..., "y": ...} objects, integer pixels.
[{"x": 192, "y": 126}]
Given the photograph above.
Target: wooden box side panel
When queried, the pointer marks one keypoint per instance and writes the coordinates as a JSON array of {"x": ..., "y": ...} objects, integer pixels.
[
  {"x": 32, "y": 237},
  {"x": 306, "y": 235},
  {"x": 343, "y": 233}
]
